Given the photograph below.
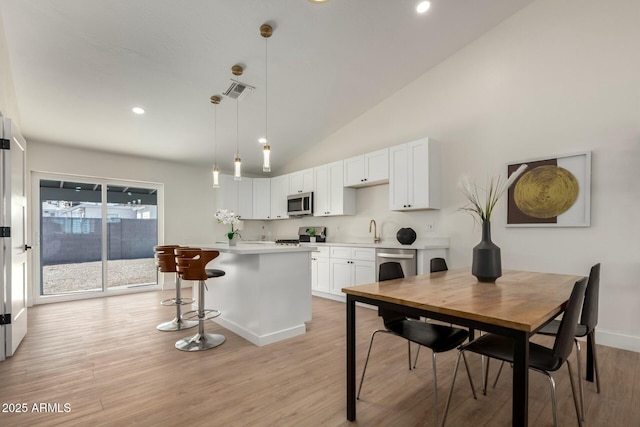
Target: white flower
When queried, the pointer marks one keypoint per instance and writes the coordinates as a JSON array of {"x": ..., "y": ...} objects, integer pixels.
[{"x": 228, "y": 217}]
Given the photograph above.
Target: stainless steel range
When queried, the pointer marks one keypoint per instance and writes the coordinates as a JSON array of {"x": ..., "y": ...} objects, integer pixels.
[
  {"x": 288, "y": 242},
  {"x": 304, "y": 236}
]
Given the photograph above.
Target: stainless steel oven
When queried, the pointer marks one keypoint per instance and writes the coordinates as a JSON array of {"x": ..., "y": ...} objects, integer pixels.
[
  {"x": 405, "y": 257},
  {"x": 300, "y": 204}
]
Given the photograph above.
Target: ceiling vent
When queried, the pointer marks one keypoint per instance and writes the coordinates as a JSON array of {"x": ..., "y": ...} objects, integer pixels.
[{"x": 237, "y": 90}]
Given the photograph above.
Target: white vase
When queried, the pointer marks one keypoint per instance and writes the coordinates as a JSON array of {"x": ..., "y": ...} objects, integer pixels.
[
  {"x": 233, "y": 241},
  {"x": 312, "y": 239}
]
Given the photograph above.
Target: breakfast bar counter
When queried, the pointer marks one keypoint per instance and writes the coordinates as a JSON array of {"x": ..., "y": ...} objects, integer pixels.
[{"x": 265, "y": 295}]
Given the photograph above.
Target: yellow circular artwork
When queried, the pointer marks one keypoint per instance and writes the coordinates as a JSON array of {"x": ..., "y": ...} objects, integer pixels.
[{"x": 546, "y": 191}]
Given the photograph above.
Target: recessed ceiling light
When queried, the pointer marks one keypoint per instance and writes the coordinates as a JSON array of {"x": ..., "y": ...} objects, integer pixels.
[
  {"x": 262, "y": 140},
  {"x": 138, "y": 110},
  {"x": 423, "y": 6},
  {"x": 319, "y": 1}
]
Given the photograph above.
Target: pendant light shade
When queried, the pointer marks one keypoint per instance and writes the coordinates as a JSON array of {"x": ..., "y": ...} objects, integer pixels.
[
  {"x": 266, "y": 160},
  {"x": 266, "y": 31},
  {"x": 216, "y": 177},
  {"x": 237, "y": 169},
  {"x": 215, "y": 100}
]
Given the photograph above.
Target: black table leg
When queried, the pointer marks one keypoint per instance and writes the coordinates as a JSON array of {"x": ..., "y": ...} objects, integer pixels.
[
  {"x": 589, "y": 358},
  {"x": 351, "y": 358},
  {"x": 520, "y": 410}
]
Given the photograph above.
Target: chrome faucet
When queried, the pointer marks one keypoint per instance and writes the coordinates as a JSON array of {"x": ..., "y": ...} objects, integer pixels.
[{"x": 376, "y": 238}]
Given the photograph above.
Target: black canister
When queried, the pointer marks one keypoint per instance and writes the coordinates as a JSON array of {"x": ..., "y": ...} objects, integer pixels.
[{"x": 406, "y": 236}]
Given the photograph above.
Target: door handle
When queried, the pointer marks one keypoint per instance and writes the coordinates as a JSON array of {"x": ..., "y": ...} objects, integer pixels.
[
  {"x": 396, "y": 256},
  {"x": 27, "y": 247}
]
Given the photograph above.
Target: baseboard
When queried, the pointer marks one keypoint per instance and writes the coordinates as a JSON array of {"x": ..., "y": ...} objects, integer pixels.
[
  {"x": 617, "y": 340},
  {"x": 261, "y": 340},
  {"x": 340, "y": 298},
  {"x": 327, "y": 295}
]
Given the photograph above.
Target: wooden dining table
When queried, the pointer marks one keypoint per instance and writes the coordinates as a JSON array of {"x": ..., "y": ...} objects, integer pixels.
[{"x": 517, "y": 305}]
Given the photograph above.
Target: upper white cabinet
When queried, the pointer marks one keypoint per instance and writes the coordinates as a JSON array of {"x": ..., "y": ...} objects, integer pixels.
[
  {"x": 301, "y": 181},
  {"x": 236, "y": 196},
  {"x": 279, "y": 193},
  {"x": 261, "y": 198},
  {"x": 414, "y": 176},
  {"x": 367, "y": 169},
  {"x": 330, "y": 195}
]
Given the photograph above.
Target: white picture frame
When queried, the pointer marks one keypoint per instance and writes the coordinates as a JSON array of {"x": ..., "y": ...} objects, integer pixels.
[{"x": 577, "y": 165}]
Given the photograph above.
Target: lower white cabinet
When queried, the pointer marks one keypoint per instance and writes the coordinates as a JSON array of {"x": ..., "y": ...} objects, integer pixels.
[
  {"x": 350, "y": 266},
  {"x": 320, "y": 270},
  {"x": 337, "y": 267}
]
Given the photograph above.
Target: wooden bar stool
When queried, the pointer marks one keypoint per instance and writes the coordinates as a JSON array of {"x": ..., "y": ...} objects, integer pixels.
[
  {"x": 166, "y": 263},
  {"x": 191, "y": 263}
]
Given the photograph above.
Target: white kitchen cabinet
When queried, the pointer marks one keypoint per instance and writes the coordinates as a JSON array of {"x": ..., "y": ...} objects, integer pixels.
[
  {"x": 351, "y": 266},
  {"x": 320, "y": 270},
  {"x": 261, "y": 198},
  {"x": 279, "y": 193},
  {"x": 301, "y": 181},
  {"x": 236, "y": 196},
  {"x": 414, "y": 176},
  {"x": 367, "y": 169},
  {"x": 330, "y": 195}
]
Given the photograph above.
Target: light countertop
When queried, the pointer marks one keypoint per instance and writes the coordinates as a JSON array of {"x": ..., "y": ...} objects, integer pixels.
[
  {"x": 264, "y": 247},
  {"x": 434, "y": 243},
  {"x": 253, "y": 248}
]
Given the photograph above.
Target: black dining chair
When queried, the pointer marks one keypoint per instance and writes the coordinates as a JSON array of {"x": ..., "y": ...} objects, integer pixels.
[
  {"x": 436, "y": 265},
  {"x": 438, "y": 338},
  {"x": 541, "y": 359},
  {"x": 585, "y": 328}
]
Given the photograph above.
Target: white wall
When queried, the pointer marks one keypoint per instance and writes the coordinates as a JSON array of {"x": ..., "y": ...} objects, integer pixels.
[{"x": 559, "y": 77}]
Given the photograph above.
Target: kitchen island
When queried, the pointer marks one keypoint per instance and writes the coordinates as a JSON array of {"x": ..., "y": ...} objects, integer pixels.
[{"x": 265, "y": 295}]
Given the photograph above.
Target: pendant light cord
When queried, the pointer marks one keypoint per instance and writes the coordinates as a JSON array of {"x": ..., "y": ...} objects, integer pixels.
[
  {"x": 266, "y": 90},
  {"x": 215, "y": 136},
  {"x": 237, "y": 127}
]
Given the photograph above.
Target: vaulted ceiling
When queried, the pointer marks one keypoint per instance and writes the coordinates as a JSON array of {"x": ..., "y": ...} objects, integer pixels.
[{"x": 79, "y": 66}]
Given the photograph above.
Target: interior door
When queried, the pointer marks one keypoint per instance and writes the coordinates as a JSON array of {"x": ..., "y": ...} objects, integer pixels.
[{"x": 14, "y": 246}]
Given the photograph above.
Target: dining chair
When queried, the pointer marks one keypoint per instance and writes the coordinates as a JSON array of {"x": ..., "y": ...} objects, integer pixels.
[
  {"x": 439, "y": 338},
  {"x": 436, "y": 265},
  {"x": 585, "y": 328},
  {"x": 541, "y": 359}
]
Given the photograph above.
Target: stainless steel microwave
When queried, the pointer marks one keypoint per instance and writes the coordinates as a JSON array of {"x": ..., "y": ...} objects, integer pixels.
[{"x": 300, "y": 204}]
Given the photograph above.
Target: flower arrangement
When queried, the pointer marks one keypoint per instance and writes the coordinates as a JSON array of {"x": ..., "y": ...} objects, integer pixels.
[
  {"x": 225, "y": 216},
  {"x": 483, "y": 200}
]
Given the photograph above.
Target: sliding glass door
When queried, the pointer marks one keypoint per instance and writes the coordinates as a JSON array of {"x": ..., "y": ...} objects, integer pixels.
[
  {"x": 132, "y": 232},
  {"x": 94, "y": 237}
]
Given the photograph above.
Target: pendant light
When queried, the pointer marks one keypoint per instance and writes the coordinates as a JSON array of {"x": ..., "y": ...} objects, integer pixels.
[
  {"x": 237, "y": 169},
  {"x": 266, "y": 31},
  {"x": 215, "y": 100}
]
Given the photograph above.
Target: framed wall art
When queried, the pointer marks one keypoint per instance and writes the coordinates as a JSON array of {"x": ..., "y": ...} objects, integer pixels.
[{"x": 552, "y": 192}]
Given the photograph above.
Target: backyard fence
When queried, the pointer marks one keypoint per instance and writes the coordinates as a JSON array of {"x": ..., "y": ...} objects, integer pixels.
[{"x": 72, "y": 240}]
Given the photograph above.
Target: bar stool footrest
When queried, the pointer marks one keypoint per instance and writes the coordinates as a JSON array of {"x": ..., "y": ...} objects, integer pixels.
[
  {"x": 207, "y": 315},
  {"x": 176, "y": 301}
]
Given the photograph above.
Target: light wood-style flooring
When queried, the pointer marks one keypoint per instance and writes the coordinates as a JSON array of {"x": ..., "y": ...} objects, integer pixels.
[{"x": 107, "y": 362}]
